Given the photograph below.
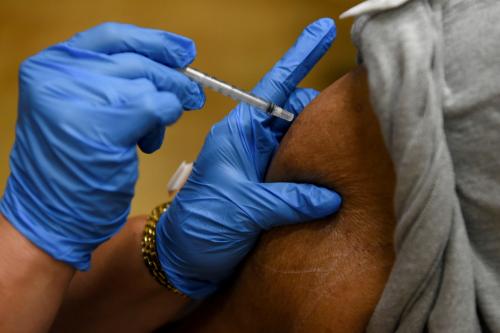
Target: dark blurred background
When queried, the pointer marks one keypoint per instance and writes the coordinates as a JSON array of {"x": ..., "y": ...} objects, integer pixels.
[{"x": 237, "y": 41}]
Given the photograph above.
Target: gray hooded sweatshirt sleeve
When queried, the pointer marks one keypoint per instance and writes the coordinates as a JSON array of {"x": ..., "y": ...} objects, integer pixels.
[{"x": 434, "y": 77}]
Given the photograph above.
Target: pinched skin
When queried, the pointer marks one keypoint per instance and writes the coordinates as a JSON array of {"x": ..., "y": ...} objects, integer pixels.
[{"x": 325, "y": 276}]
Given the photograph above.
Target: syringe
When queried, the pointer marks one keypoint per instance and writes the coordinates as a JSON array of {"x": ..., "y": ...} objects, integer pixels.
[{"x": 236, "y": 94}]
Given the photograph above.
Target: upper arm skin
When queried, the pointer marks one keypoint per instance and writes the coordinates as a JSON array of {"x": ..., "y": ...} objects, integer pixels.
[{"x": 327, "y": 275}]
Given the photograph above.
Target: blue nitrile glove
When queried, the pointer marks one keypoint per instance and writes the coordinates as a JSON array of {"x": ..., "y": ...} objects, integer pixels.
[
  {"x": 218, "y": 215},
  {"x": 84, "y": 105}
]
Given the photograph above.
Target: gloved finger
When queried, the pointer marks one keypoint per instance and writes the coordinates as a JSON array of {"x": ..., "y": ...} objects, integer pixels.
[
  {"x": 164, "y": 47},
  {"x": 129, "y": 66},
  {"x": 311, "y": 45},
  {"x": 134, "y": 66},
  {"x": 264, "y": 140},
  {"x": 291, "y": 203},
  {"x": 96, "y": 89},
  {"x": 152, "y": 141},
  {"x": 129, "y": 89},
  {"x": 298, "y": 100},
  {"x": 147, "y": 117}
]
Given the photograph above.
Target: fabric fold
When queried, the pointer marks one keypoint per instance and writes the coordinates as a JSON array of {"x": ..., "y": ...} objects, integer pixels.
[{"x": 438, "y": 281}]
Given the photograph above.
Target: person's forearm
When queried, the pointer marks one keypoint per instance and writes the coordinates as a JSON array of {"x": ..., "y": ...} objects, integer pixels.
[
  {"x": 32, "y": 283},
  {"x": 118, "y": 293}
]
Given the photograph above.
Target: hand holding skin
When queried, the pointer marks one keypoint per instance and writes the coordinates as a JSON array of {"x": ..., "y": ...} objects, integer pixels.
[
  {"x": 84, "y": 106},
  {"x": 218, "y": 215}
]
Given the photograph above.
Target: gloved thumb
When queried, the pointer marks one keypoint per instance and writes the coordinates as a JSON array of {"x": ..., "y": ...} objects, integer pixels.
[{"x": 291, "y": 203}]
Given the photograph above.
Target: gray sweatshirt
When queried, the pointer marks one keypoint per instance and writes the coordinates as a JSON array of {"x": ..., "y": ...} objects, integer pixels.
[{"x": 434, "y": 76}]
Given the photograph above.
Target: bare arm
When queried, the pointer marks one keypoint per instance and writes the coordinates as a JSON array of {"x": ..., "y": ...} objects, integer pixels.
[
  {"x": 32, "y": 283},
  {"x": 118, "y": 293}
]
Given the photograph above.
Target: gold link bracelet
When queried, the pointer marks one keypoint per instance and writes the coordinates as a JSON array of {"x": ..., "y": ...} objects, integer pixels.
[{"x": 148, "y": 248}]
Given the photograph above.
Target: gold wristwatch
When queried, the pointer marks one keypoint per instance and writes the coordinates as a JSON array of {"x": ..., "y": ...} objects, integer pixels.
[
  {"x": 148, "y": 244},
  {"x": 148, "y": 248}
]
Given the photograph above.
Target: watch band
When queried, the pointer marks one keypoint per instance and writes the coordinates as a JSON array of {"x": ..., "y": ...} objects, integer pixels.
[{"x": 148, "y": 248}]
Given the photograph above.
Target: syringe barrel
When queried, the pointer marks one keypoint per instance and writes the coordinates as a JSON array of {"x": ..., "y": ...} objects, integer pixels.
[
  {"x": 224, "y": 88},
  {"x": 235, "y": 93}
]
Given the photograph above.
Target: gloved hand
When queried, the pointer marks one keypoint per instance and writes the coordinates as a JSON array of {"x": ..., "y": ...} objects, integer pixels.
[
  {"x": 217, "y": 216},
  {"x": 84, "y": 105}
]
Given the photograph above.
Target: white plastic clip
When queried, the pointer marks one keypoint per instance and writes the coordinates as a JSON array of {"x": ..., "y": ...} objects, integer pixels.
[{"x": 179, "y": 177}]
